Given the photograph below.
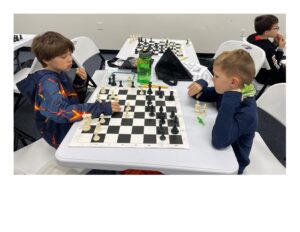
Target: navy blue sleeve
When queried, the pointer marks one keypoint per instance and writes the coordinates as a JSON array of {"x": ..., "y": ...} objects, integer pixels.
[
  {"x": 208, "y": 94},
  {"x": 229, "y": 123}
]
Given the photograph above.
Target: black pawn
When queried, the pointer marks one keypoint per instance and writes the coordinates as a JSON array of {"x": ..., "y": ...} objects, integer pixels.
[
  {"x": 21, "y": 37},
  {"x": 152, "y": 114},
  {"x": 174, "y": 130},
  {"x": 162, "y": 137},
  {"x": 120, "y": 85},
  {"x": 172, "y": 114},
  {"x": 161, "y": 112},
  {"x": 171, "y": 97},
  {"x": 149, "y": 88},
  {"x": 161, "y": 94},
  {"x": 109, "y": 80},
  {"x": 132, "y": 84}
]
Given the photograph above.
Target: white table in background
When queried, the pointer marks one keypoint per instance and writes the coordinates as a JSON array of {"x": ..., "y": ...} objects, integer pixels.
[{"x": 25, "y": 42}]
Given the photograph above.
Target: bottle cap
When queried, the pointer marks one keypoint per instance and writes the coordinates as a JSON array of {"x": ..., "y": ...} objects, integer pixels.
[{"x": 145, "y": 54}]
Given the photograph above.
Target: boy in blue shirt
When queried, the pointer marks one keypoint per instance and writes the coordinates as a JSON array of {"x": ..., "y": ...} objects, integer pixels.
[
  {"x": 58, "y": 103},
  {"x": 233, "y": 92}
]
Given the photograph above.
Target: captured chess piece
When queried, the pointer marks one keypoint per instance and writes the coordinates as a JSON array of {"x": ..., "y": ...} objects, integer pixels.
[
  {"x": 102, "y": 90},
  {"x": 113, "y": 83}
]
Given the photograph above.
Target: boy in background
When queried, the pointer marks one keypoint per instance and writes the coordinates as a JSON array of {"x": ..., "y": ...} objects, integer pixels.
[{"x": 266, "y": 26}]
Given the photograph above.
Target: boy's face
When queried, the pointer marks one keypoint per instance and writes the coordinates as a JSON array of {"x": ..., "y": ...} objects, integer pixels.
[
  {"x": 222, "y": 82},
  {"x": 60, "y": 63},
  {"x": 272, "y": 33}
]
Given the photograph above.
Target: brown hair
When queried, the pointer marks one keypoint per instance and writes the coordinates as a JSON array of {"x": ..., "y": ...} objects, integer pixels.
[
  {"x": 50, "y": 45},
  {"x": 264, "y": 23},
  {"x": 237, "y": 63}
]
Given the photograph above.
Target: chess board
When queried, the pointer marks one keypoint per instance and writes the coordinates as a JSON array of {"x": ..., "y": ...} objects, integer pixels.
[
  {"x": 138, "y": 129},
  {"x": 158, "y": 47}
]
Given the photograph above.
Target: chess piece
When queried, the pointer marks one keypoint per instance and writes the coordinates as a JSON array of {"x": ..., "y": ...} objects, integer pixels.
[
  {"x": 141, "y": 90},
  {"x": 109, "y": 80},
  {"x": 188, "y": 42},
  {"x": 129, "y": 81},
  {"x": 128, "y": 106},
  {"x": 99, "y": 97},
  {"x": 132, "y": 84},
  {"x": 197, "y": 107},
  {"x": 96, "y": 137},
  {"x": 172, "y": 114},
  {"x": 162, "y": 137},
  {"x": 102, "y": 90},
  {"x": 113, "y": 83},
  {"x": 126, "y": 112},
  {"x": 174, "y": 130},
  {"x": 87, "y": 118},
  {"x": 171, "y": 97},
  {"x": 120, "y": 85},
  {"x": 102, "y": 120},
  {"x": 160, "y": 129},
  {"x": 152, "y": 113}
]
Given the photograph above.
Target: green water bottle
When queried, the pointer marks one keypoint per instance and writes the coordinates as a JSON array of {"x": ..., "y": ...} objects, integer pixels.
[{"x": 144, "y": 67}]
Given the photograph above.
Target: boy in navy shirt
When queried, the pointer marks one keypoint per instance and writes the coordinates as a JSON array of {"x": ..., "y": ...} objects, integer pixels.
[
  {"x": 233, "y": 92},
  {"x": 58, "y": 103}
]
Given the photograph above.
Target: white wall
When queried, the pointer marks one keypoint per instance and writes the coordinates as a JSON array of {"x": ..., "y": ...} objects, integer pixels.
[{"x": 207, "y": 31}]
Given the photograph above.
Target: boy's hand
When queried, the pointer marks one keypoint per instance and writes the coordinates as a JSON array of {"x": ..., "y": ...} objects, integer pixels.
[
  {"x": 115, "y": 107},
  {"x": 194, "y": 89},
  {"x": 81, "y": 73},
  {"x": 280, "y": 40}
]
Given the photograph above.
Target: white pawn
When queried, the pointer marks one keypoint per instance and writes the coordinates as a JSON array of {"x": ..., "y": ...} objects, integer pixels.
[
  {"x": 197, "y": 107},
  {"x": 102, "y": 90},
  {"x": 102, "y": 120},
  {"x": 128, "y": 106},
  {"x": 126, "y": 112},
  {"x": 141, "y": 90}
]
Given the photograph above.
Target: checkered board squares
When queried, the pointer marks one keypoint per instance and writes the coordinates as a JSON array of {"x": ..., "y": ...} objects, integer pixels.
[
  {"x": 138, "y": 129},
  {"x": 158, "y": 47}
]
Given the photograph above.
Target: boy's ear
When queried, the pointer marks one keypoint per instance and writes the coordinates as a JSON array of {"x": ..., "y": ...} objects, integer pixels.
[{"x": 235, "y": 82}]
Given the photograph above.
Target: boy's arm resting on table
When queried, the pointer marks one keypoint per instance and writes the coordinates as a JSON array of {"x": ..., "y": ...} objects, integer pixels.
[
  {"x": 208, "y": 94},
  {"x": 56, "y": 106},
  {"x": 228, "y": 123}
]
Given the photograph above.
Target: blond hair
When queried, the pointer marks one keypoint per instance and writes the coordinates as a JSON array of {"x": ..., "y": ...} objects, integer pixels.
[{"x": 237, "y": 63}]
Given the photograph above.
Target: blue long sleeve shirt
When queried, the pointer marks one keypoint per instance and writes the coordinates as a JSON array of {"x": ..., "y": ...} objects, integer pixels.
[
  {"x": 235, "y": 124},
  {"x": 56, "y": 104}
]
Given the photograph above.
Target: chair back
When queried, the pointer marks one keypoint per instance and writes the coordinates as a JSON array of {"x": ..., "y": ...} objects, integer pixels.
[
  {"x": 85, "y": 48},
  {"x": 273, "y": 101},
  {"x": 258, "y": 55}
]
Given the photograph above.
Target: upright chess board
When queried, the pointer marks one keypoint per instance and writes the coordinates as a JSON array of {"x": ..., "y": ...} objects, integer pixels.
[
  {"x": 138, "y": 129},
  {"x": 158, "y": 47}
]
